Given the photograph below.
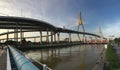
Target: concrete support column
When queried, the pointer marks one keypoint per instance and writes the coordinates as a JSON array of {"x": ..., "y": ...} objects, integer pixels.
[
  {"x": 58, "y": 35},
  {"x": 47, "y": 37},
  {"x": 41, "y": 36},
  {"x": 96, "y": 40},
  {"x": 83, "y": 38},
  {"x": 69, "y": 37},
  {"x": 21, "y": 35},
  {"x": 101, "y": 39},
  {"x": 78, "y": 37},
  {"x": 16, "y": 35},
  {"x": 51, "y": 37},
  {"x": 7, "y": 34},
  {"x": 54, "y": 37},
  {"x": 91, "y": 39}
]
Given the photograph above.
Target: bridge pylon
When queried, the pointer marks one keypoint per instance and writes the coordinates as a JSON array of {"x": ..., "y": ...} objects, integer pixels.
[
  {"x": 100, "y": 32},
  {"x": 80, "y": 23}
]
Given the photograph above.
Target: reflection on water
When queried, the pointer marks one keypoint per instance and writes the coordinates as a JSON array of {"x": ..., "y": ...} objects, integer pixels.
[{"x": 80, "y": 57}]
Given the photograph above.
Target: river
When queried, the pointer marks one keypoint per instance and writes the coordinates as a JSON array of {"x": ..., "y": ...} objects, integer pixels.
[{"x": 79, "y": 57}]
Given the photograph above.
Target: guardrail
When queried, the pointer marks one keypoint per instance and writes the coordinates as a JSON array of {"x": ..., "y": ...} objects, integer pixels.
[
  {"x": 8, "y": 61},
  {"x": 21, "y": 62}
]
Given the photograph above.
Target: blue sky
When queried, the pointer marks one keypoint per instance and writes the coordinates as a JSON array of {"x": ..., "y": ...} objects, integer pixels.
[{"x": 95, "y": 13}]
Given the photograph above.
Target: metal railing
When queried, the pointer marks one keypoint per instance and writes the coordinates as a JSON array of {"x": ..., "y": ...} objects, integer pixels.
[
  {"x": 21, "y": 62},
  {"x": 8, "y": 61}
]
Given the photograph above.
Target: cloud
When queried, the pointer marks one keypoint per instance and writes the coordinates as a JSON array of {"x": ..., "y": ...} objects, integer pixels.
[
  {"x": 59, "y": 13},
  {"x": 112, "y": 29}
]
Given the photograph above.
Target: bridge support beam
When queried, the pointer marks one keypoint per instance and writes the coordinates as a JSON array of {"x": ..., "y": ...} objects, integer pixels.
[
  {"x": 16, "y": 35},
  {"x": 40, "y": 36},
  {"x": 91, "y": 39},
  {"x": 51, "y": 37},
  {"x": 69, "y": 37},
  {"x": 21, "y": 34},
  {"x": 47, "y": 37},
  {"x": 7, "y": 36},
  {"x": 78, "y": 37},
  {"x": 54, "y": 37},
  {"x": 85, "y": 39},
  {"x": 96, "y": 40},
  {"x": 58, "y": 35}
]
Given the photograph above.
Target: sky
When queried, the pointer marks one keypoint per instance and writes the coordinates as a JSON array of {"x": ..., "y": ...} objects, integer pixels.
[{"x": 95, "y": 13}]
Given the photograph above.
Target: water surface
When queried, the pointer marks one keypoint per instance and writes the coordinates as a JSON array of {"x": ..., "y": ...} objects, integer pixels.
[{"x": 79, "y": 57}]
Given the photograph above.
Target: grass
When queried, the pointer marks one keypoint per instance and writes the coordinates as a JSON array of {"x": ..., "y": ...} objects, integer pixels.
[{"x": 112, "y": 59}]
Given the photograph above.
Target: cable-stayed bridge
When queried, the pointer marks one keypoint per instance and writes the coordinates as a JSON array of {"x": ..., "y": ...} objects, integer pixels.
[{"x": 52, "y": 36}]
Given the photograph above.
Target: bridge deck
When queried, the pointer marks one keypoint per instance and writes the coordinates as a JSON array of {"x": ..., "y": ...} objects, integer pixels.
[{"x": 3, "y": 59}]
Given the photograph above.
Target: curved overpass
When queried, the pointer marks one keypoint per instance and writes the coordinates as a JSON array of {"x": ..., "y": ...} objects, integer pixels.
[
  {"x": 29, "y": 25},
  {"x": 7, "y": 22}
]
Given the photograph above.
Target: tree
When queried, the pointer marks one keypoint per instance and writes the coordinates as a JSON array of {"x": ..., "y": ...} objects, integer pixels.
[
  {"x": 23, "y": 41},
  {"x": 117, "y": 41}
]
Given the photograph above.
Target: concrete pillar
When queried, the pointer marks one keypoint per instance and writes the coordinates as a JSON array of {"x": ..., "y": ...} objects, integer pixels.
[
  {"x": 41, "y": 36},
  {"x": 47, "y": 37},
  {"x": 58, "y": 35},
  {"x": 21, "y": 36},
  {"x": 83, "y": 39},
  {"x": 91, "y": 39},
  {"x": 69, "y": 37},
  {"x": 7, "y": 34},
  {"x": 16, "y": 35},
  {"x": 96, "y": 40},
  {"x": 78, "y": 37},
  {"x": 54, "y": 37},
  {"x": 51, "y": 37}
]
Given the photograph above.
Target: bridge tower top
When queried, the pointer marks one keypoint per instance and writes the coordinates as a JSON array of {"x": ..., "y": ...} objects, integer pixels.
[
  {"x": 80, "y": 23},
  {"x": 100, "y": 32}
]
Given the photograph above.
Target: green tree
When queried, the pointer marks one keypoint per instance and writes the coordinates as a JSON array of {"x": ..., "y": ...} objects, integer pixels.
[{"x": 117, "y": 41}]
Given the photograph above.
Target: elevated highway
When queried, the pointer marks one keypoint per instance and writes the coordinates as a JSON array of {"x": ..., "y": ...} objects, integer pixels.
[{"x": 22, "y": 24}]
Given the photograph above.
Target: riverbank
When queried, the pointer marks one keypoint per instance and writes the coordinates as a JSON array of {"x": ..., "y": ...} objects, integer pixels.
[
  {"x": 112, "y": 59},
  {"x": 117, "y": 52}
]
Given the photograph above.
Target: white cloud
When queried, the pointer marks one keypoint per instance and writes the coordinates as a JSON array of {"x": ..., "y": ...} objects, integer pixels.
[
  {"x": 53, "y": 11},
  {"x": 112, "y": 29}
]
